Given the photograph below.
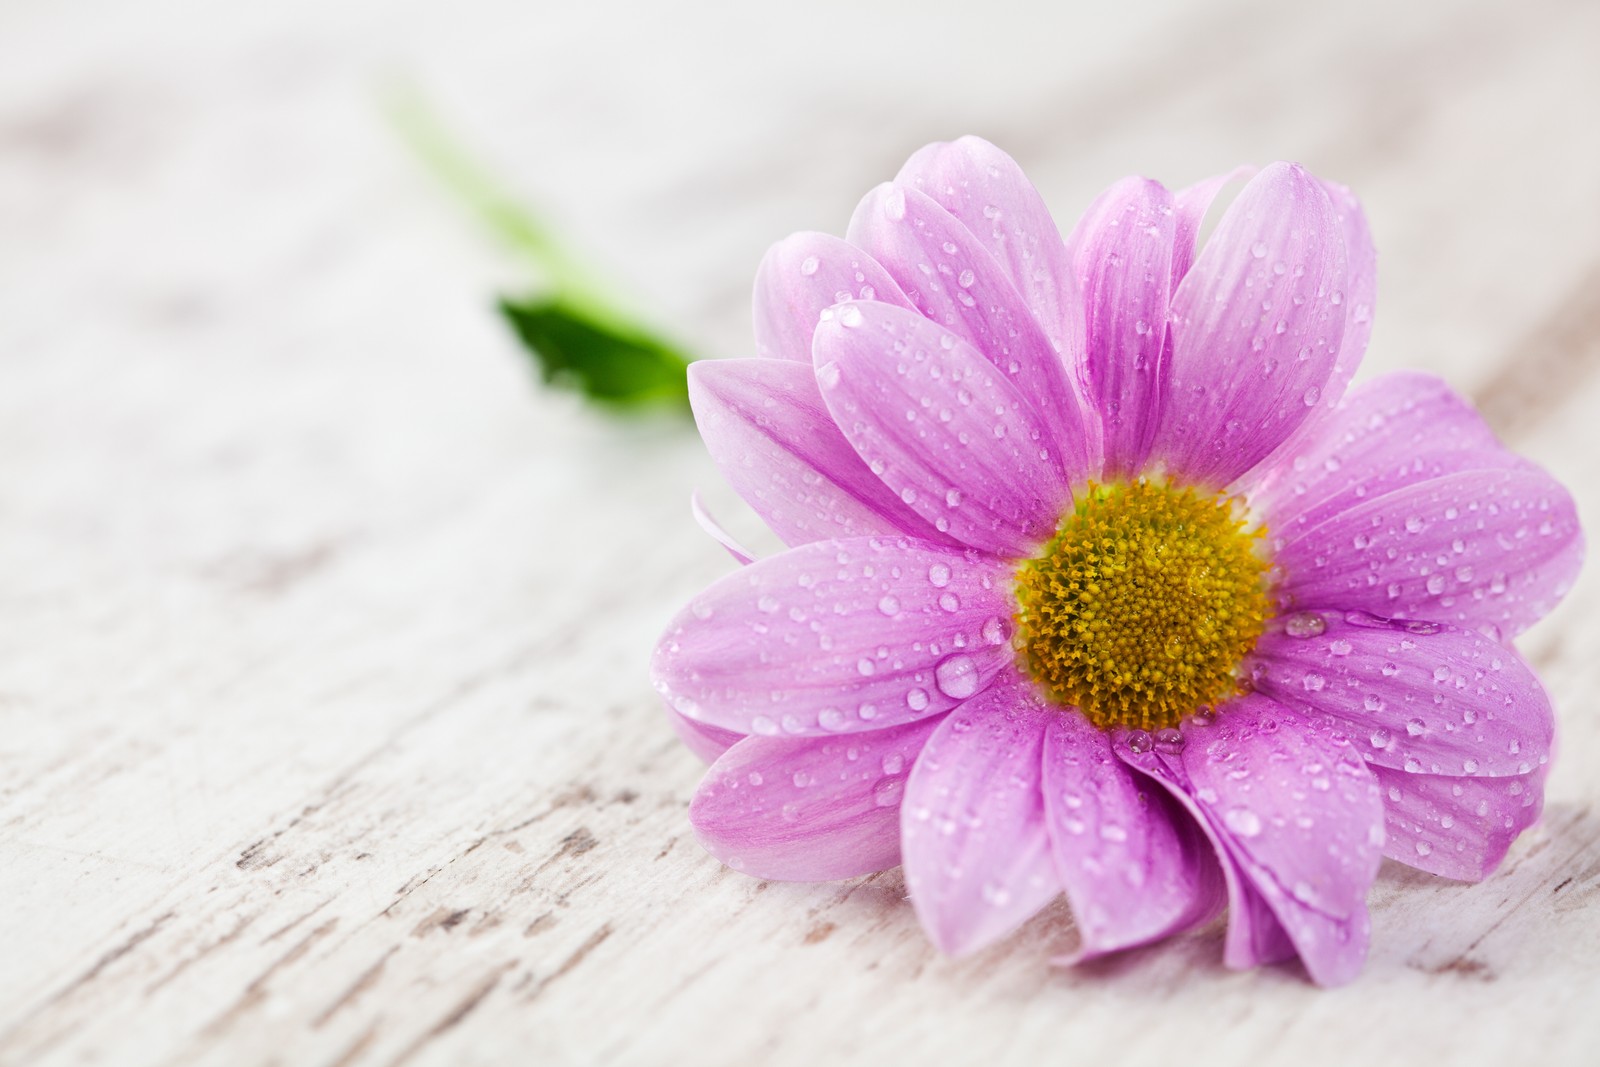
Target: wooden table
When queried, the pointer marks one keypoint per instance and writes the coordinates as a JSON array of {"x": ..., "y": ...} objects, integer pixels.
[{"x": 326, "y": 735}]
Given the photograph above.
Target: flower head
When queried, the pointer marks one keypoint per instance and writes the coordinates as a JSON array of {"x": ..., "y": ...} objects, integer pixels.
[{"x": 1101, "y": 582}]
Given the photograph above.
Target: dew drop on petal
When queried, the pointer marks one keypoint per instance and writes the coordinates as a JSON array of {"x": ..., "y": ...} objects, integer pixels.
[
  {"x": 957, "y": 676},
  {"x": 1242, "y": 821},
  {"x": 1304, "y": 624}
]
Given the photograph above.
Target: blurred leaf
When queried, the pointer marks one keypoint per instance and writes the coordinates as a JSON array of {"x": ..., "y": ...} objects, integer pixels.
[
  {"x": 609, "y": 361},
  {"x": 578, "y": 339}
]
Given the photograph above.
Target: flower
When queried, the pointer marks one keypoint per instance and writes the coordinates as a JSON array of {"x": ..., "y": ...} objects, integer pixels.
[{"x": 1101, "y": 582}]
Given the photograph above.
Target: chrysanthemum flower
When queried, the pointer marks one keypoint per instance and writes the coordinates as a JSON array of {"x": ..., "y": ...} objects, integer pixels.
[{"x": 1101, "y": 583}]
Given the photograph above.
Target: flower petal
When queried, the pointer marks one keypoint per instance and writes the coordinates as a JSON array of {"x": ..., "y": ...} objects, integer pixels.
[
  {"x": 1457, "y": 827},
  {"x": 1360, "y": 293},
  {"x": 1122, "y": 258},
  {"x": 1255, "y": 936},
  {"x": 717, "y": 532},
  {"x": 973, "y": 840},
  {"x": 1303, "y": 815},
  {"x": 1389, "y": 432},
  {"x": 1190, "y": 205},
  {"x": 837, "y": 636},
  {"x": 1255, "y": 331},
  {"x": 987, "y": 192},
  {"x": 1419, "y": 697},
  {"x": 808, "y": 810},
  {"x": 1135, "y": 866},
  {"x": 942, "y": 427},
  {"x": 1483, "y": 548},
  {"x": 707, "y": 742},
  {"x": 802, "y": 275},
  {"x": 953, "y": 280},
  {"x": 772, "y": 438}
]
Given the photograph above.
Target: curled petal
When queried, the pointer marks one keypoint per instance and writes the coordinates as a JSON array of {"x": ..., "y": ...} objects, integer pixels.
[
  {"x": 953, "y": 280},
  {"x": 1481, "y": 549},
  {"x": 772, "y": 438},
  {"x": 973, "y": 839},
  {"x": 706, "y": 741},
  {"x": 1255, "y": 329},
  {"x": 1360, "y": 293},
  {"x": 1457, "y": 827},
  {"x": 717, "y": 532},
  {"x": 800, "y": 277},
  {"x": 1418, "y": 697},
  {"x": 1135, "y": 866},
  {"x": 1388, "y": 433},
  {"x": 1122, "y": 258},
  {"x": 810, "y": 809},
  {"x": 837, "y": 636},
  {"x": 1190, "y": 205},
  {"x": 1293, "y": 805},
  {"x": 945, "y": 430}
]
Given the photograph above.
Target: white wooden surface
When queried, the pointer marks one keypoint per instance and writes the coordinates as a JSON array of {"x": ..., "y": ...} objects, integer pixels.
[{"x": 325, "y": 736}]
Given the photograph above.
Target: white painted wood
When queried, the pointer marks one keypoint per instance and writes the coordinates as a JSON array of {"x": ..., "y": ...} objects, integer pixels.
[{"x": 325, "y": 735}]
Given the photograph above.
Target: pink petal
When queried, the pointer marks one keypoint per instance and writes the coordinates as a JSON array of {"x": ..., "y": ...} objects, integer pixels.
[
  {"x": 1302, "y": 814},
  {"x": 772, "y": 438},
  {"x": 1419, "y": 697},
  {"x": 707, "y": 742},
  {"x": 973, "y": 840},
  {"x": 715, "y": 530},
  {"x": 953, "y": 280},
  {"x": 802, "y": 275},
  {"x": 808, "y": 810},
  {"x": 1190, "y": 207},
  {"x": 984, "y": 188},
  {"x": 1255, "y": 936},
  {"x": 1480, "y": 549},
  {"x": 1360, "y": 293},
  {"x": 1255, "y": 331},
  {"x": 1122, "y": 257},
  {"x": 1135, "y": 866},
  {"x": 1457, "y": 827},
  {"x": 1389, "y": 432},
  {"x": 837, "y": 636},
  {"x": 943, "y": 428}
]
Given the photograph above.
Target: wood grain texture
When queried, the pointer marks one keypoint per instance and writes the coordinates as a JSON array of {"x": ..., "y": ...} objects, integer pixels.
[{"x": 325, "y": 736}]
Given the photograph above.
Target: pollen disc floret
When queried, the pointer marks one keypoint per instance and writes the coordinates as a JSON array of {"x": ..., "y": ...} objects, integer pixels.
[{"x": 1142, "y": 607}]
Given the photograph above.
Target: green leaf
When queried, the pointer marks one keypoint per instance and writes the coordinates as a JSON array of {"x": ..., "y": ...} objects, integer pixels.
[{"x": 606, "y": 359}]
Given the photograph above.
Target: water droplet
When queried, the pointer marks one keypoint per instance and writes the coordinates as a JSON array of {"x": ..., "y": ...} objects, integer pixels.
[
  {"x": 1242, "y": 821},
  {"x": 888, "y": 791},
  {"x": 1313, "y": 682},
  {"x": 833, "y": 719},
  {"x": 1304, "y": 624},
  {"x": 1259, "y": 250},
  {"x": 995, "y": 631},
  {"x": 953, "y": 498},
  {"x": 850, "y": 316},
  {"x": 889, "y": 605},
  {"x": 1169, "y": 740},
  {"x": 1380, "y": 738},
  {"x": 949, "y": 602},
  {"x": 939, "y": 575},
  {"x": 957, "y": 676},
  {"x": 809, "y": 266},
  {"x": 1311, "y": 396},
  {"x": 894, "y": 205},
  {"x": 1139, "y": 741},
  {"x": 917, "y": 700}
]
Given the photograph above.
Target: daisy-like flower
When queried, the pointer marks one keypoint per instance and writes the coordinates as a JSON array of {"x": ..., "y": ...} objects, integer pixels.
[{"x": 1100, "y": 582}]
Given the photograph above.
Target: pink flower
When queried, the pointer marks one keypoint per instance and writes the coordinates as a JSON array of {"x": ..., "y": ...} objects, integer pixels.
[{"x": 1100, "y": 582}]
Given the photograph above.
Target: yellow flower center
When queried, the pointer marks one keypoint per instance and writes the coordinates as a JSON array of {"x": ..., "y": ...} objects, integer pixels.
[{"x": 1142, "y": 608}]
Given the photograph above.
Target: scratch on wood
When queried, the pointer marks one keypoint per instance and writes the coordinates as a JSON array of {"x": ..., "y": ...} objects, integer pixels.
[
  {"x": 363, "y": 982},
  {"x": 361, "y": 1044},
  {"x": 819, "y": 933},
  {"x": 576, "y": 843},
  {"x": 567, "y": 965},
  {"x": 280, "y": 931},
  {"x": 106, "y": 960},
  {"x": 441, "y": 919},
  {"x": 183, "y": 965},
  {"x": 255, "y": 992},
  {"x": 466, "y": 1007}
]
